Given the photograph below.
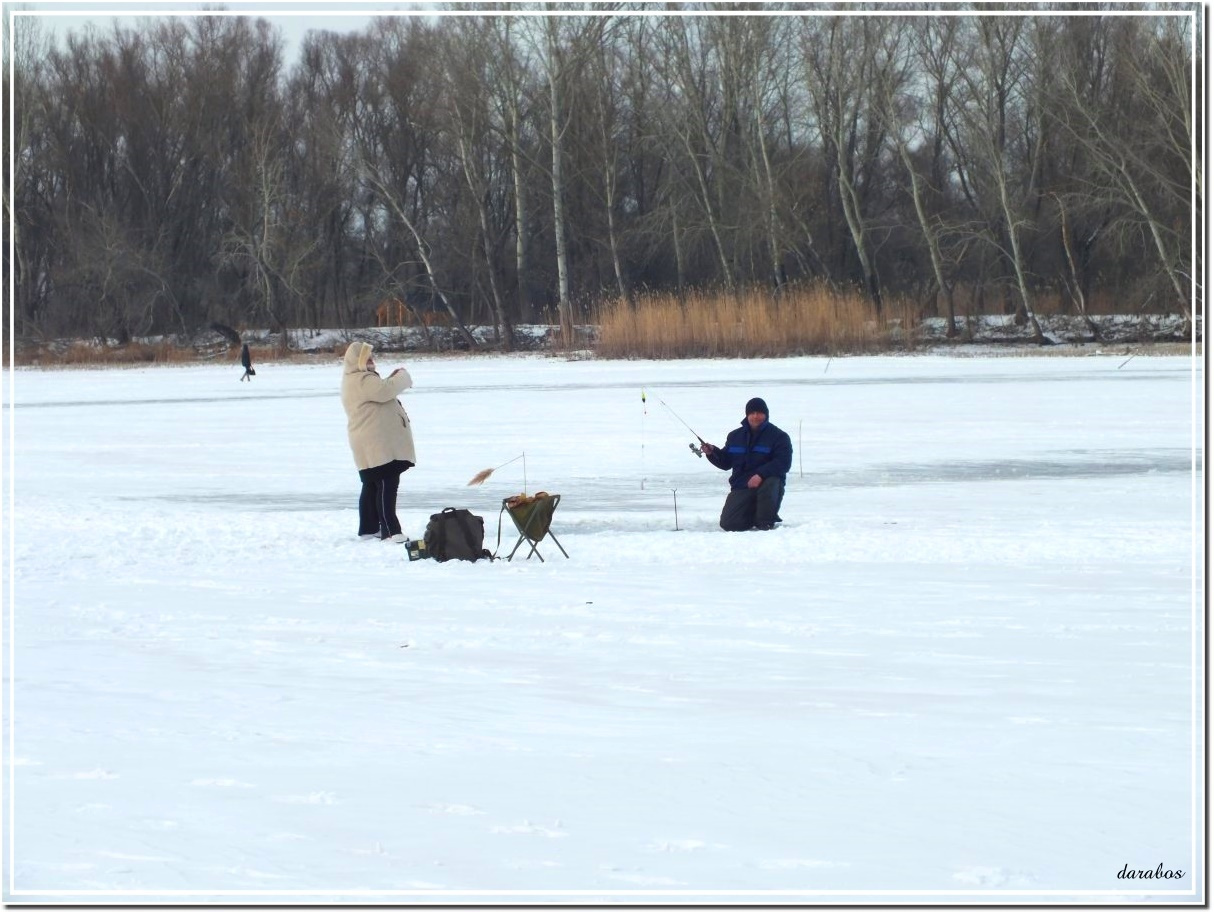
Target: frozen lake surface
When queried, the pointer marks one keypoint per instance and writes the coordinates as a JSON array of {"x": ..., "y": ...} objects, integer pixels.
[{"x": 967, "y": 668}]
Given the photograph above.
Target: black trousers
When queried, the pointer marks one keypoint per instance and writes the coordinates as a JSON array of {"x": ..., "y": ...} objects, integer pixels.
[
  {"x": 747, "y": 508},
  {"x": 377, "y": 500}
]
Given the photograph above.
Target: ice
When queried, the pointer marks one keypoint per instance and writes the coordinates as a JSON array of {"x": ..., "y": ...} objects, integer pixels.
[{"x": 967, "y": 668}]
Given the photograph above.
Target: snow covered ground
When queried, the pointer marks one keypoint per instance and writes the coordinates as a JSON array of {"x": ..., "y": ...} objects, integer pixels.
[{"x": 968, "y": 668}]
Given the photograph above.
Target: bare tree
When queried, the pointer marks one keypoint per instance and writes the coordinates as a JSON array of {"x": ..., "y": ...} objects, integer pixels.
[
  {"x": 177, "y": 172},
  {"x": 468, "y": 72},
  {"x": 907, "y": 116},
  {"x": 258, "y": 242},
  {"x": 556, "y": 66},
  {"x": 606, "y": 66},
  {"x": 28, "y": 207},
  {"x": 848, "y": 64},
  {"x": 1134, "y": 126},
  {"x": 992, "y": 95},
  {"x": 394, "y": 146},
  {"x": 697, "y": 135},
  {"x": 322, "y": 99},
  {"x": 511, "y": 85},
  {"x": 752, "y": 54},
  {"x": 773, "y": 60}
]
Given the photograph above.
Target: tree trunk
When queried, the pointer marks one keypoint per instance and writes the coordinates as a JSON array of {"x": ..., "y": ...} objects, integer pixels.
[
  {"x": 564, "y": 306},
  {"x": 851, "y": 212},
  {"x": 520, "y": 218},
  {"x": 501, "y": 319},
  {"x": 1025, "y": 310},
  {"x": 713, "y": 226},
  {"x": 773, "y": 246},
  {"x": 614, "y": 242},
  {"x": 1076, "y": 283},
  {"x": 933, "y": 244},
  {"x": 1160, "y": 247},
  {"x": 680, "y": 267}
]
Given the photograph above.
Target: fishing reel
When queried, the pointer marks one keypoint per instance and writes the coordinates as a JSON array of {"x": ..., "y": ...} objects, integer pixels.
[{"x": 694, "y": 449}]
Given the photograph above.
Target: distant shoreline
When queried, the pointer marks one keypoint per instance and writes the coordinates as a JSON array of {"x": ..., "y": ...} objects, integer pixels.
[{"x": 993, "y": 336}]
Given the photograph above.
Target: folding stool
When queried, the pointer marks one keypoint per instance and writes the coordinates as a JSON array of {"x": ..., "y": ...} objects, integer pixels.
[{"x": 533, "y": 519}]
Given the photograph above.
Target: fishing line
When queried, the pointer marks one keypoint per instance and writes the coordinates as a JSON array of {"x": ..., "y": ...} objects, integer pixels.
[
  {"x": 694, "y": 449},
  {"x": 800, "y": 450}
]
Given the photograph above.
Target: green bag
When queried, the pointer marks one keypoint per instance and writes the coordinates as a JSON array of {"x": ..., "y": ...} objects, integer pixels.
[{"x": 456, "y": 533}]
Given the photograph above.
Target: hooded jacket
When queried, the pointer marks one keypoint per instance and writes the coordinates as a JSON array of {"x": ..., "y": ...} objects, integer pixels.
[
  {"x": 766, "y": 450},
  {"x": 378, "y": 425}
]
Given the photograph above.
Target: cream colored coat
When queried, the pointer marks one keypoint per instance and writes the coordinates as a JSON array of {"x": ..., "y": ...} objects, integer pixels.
[{"x": 378, "y": 425}]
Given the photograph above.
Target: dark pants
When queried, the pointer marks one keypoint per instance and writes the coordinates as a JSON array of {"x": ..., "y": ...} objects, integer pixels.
[
  {"x": 747, "y": 508},
  {"x": 377, "y": 500}
]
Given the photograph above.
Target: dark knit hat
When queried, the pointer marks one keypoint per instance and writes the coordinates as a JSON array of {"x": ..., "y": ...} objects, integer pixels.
[{"x": 756, "y": 405}]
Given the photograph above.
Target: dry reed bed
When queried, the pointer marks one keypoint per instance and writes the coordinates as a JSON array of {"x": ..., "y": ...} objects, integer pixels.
[{"x": 750, "y": 324}]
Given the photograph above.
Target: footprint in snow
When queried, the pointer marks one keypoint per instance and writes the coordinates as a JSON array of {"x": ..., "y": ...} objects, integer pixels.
[
  {"x": 528, "y": 829},
  {"x": 531, "y": 864},
  {"x": 647, "y": 881},
  {"x": 990, "y": 877},
  {"x": 218, "y": 782},
  {"x": 160, "y": 824},
  {"x": 454, "y": 809},
  {"x": 245, "y": 872},
  {"x": 140, "y": 858},
  {"x": 685, "y": 846},
  {"x": 797, "y": 864},
  {"x": 316, "y": 798}
]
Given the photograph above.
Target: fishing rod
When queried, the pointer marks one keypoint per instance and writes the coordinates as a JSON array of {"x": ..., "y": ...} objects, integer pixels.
[
  {"x": 695, "y": 450},
  {"x": 644, "y": 413}
]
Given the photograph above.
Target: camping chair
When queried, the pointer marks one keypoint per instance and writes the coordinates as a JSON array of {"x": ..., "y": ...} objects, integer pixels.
[{"x": 532, "y": 518}]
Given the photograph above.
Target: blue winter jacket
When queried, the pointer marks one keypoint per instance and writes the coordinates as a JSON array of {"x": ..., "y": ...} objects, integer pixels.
[{"x": 766, "y": 451}]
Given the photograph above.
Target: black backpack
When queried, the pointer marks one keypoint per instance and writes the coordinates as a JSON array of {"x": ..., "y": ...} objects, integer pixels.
[{"x": 456, "y": 533}]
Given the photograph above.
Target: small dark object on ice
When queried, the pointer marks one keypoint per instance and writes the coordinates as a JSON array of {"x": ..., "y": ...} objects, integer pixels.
[{"x": 247, "y": 361}]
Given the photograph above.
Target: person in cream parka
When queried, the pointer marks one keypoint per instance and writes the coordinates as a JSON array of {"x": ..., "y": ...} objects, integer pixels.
[{"x": 381, "y": 439}]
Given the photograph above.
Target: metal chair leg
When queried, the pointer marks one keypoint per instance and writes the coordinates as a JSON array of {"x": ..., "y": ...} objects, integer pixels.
[
  {"x": 519, "y": 542},
  {"x": 552, "y": 536}
]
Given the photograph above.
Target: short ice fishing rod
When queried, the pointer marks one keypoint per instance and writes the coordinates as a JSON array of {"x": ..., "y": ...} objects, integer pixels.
[{"x": 695, "y": 450}]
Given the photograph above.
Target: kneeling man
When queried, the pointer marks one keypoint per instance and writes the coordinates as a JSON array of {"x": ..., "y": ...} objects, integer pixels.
[{"x": 760, "y": 455}]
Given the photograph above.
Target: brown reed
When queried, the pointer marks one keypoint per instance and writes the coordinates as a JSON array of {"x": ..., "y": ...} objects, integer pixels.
[
  {"x": 82, "y": 352},
  {"x": 751, "y": 323}
]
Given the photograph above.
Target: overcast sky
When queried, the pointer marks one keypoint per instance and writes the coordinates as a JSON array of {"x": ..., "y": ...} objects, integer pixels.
[{"x": 293, "y": 18}]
